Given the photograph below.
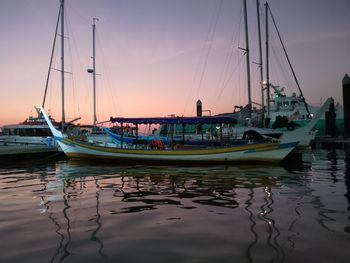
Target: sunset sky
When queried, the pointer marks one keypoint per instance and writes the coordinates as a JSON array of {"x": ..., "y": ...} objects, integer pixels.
[{"x": 158, "y": 57}]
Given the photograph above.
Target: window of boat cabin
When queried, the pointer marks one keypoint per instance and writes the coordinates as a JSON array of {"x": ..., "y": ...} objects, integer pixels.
[
  {"x": 9, "y": 131},
  {"x": 26, "y": 132},
  {"x": 6, "y": 131},
  {"x": 43, "y": 132}
]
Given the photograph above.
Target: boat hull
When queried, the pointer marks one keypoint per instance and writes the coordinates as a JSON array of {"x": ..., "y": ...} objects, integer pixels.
[
  {"x": 258, "y": 152},
  {"x": 251, "y": 152}
]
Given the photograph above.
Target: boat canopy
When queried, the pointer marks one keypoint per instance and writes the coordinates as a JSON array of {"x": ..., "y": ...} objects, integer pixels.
[{"x": 177, "y": 120}]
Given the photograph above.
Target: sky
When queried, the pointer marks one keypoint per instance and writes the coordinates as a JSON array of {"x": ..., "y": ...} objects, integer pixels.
[{"x": 158, "y": 57}]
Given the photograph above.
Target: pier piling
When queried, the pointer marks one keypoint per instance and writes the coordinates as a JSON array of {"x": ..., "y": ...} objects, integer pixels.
[
  {"x": 330, "y": 121},
  {"x": 199, "y": 114},
  {"x": 346, "y": 104}
]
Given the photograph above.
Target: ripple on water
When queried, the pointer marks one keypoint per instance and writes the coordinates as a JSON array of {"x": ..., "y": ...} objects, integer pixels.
[{"x": 90, "y": 212}]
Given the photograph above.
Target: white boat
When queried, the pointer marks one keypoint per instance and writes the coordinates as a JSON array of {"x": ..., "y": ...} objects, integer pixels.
[
  {"x": 303, "y": 134},
  {"x": 288, "y": 108},
  {"x": 34, "y": 131},
  {"x": 244, "y": 151},
  {"x": 293, "y": 109}
]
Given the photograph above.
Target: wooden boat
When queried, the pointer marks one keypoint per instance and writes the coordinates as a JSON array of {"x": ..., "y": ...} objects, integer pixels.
[{"x": 243, "y": 151}]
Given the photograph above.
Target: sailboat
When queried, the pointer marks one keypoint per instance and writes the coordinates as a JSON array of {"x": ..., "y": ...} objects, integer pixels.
[
  {"x": 290, "y": 108},
  {"x": 267, "y": 150},
  {"x": 304, "y": 134}
]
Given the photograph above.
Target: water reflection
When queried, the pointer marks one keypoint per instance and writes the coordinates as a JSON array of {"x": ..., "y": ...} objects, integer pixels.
[
  {"x": 141, "y": 189},
  {"x": 94, "y": 235},
  {"x": 347, "y": 175},
  {"x": 83, "y": 202},
  {"x": 347, "y": 184}
]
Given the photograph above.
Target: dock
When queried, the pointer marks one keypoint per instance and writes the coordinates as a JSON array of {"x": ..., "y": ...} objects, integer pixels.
[
  {"x": 330, "y": 142},
  {"x": 18, "y": 152}
]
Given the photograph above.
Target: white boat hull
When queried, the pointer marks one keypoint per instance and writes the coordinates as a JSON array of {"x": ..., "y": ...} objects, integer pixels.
[{"x": 271, "y": 152}]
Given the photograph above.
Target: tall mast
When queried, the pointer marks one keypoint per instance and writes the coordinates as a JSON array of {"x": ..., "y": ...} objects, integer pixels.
[
  {"x": 247, "y": 52},
  {"x": 62, "y": 61},
  {"x": 267, "y": 60},
  {"x": 260, "y": 58},
  {"x": 94, "y": 67},
  {"x": 93, "y": 70}
]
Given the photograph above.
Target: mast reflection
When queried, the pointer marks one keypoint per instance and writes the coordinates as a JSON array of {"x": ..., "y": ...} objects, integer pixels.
[
  {"x": 134, "y": 190},
  {"x": 94, "y": 235}
]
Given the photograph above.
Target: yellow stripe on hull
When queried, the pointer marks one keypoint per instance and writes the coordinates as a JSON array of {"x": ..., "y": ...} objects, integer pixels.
[{"x": 256, "y": 147}]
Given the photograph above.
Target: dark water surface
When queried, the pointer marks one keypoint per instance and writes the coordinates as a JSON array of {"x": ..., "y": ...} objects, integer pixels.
[{"x": 65, "y": 211}]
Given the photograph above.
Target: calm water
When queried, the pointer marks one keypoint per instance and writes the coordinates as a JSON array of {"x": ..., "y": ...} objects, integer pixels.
[{"x": 64, "y": 211}]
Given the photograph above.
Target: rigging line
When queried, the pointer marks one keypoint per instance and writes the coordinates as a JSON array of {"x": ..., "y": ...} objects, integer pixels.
[
  {"x": 290, "y": 65},
  {"x": 68, "y": 26},
  {"x": 112, "y": 96},
  {"x": 256, "y": 80},
  {"x": 240, "y": 60},
  {"x": 225, "y": 76},
  {"x": 199, "y": 62},
  {"x": 284, "y": 70},
  {"x": 228, "y": 79},
  {"x": 234, "y": 36},
  {"x": 241, "y": 82},
  {"x": 209, "y": 48},
  {"x": 238, "y": 66},
  {"x": 77, "y": 13},
  {"x": 280, "y": 66},
  {"x": 51, "y": 57},
  {"x": 252, "y": 55}
]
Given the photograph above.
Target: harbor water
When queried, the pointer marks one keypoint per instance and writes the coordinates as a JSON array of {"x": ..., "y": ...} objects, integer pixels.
[{"x": 70, "y": 211}]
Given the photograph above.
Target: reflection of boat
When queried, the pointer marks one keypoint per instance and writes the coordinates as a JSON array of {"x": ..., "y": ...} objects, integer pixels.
[{"x": 242, "y": 151}]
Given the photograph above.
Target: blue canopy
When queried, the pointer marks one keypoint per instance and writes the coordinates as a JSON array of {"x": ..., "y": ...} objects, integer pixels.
[{"x": 176, "y": 120}]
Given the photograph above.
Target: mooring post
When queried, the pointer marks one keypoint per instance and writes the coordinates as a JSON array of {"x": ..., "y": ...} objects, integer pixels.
[
  {"x": 330, "y": 121},
  {"x": 346, "y": 105},
  {"x": 199, "y": 114}
]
